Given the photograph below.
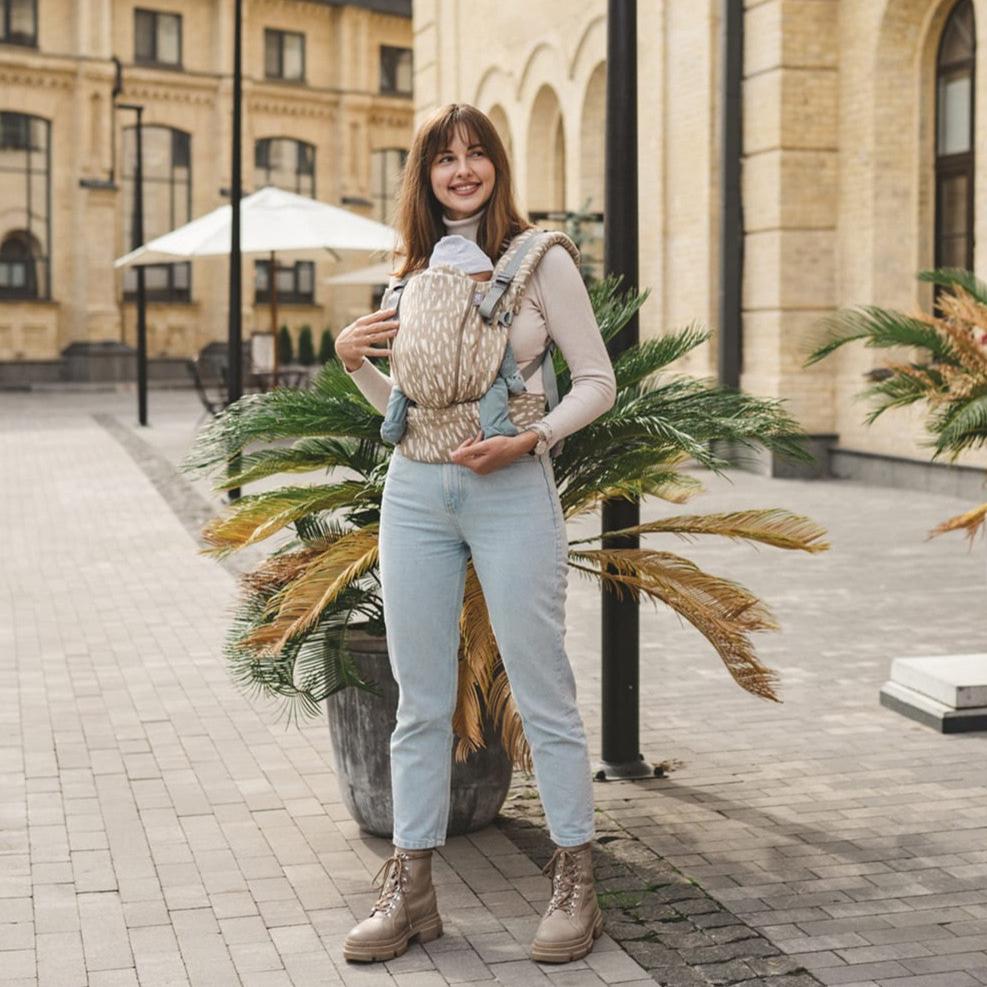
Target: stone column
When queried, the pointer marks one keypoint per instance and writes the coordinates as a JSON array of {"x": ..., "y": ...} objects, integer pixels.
[{"x": 790, "y": 205}]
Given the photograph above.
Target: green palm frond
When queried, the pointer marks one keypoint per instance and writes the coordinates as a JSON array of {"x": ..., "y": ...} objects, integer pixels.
[
  {"x": 651, "y": 356},
  {"x": 880, "y": 328},
  {"x": 304, "y": 456},
  {"x": 957, "y": 277}
]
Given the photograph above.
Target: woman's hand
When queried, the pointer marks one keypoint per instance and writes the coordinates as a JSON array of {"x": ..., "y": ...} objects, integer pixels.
[
  {"x": 356, "y": 341},
  {"x": 485, "y": 455}
]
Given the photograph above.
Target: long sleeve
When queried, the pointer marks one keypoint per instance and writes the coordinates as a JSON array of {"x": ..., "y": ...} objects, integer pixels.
[
  {"x": 558, "y": 293},
  {"x": 374, "y": 384}
]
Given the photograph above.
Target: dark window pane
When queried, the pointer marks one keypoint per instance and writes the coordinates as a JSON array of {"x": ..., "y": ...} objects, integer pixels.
[
  {"x": 955, "y": 131},
  {"x": 958, "y": 37},
  {"x": 156, "y": 278},
  {"x": 953, "y": 201},
  {"x": 306, "y": 277},
  {"x": 143, "y": 36},
  {"x": 306, "y": 159},
  {"x": 23, "y": 22},
  {"x": 272, "y": 54}
]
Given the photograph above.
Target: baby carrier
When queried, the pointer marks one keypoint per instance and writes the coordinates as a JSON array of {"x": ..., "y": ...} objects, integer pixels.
[{"x": 451, "y": 342}]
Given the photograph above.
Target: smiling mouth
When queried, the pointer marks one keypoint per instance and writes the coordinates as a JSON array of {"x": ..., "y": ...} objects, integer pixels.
[{"x": 464, "y": 189}]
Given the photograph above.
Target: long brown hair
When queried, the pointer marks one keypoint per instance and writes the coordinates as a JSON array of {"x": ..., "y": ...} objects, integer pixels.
[{"x": 419, "y": 213}]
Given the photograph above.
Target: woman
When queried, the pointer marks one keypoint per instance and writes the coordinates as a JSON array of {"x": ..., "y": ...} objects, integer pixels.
[{"x": 494, "y": 500}]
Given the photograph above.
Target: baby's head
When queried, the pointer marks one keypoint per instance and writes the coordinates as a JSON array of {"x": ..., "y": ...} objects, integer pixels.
[{"x": 464, "y": 255}]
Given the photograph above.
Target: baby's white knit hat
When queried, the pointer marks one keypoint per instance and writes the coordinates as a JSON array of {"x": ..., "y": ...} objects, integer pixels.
[{"x": 459, "y": 252}]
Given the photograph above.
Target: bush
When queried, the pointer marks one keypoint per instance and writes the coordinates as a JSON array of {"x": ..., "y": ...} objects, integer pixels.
[
  {"x": 327, "y": 349},
  {"x": 286, "y": 351},
  {"x": 306, "y": 348}
]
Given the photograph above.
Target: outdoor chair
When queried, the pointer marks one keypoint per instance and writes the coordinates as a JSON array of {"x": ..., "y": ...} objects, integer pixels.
[{"x": 210, "y": 385}]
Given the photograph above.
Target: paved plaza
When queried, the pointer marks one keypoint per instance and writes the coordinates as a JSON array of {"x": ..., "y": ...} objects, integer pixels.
[{"x": 158, "y": 827}]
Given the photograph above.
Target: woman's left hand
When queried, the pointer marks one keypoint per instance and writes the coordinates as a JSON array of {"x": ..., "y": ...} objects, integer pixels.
[{"x": 485, "y": 455}]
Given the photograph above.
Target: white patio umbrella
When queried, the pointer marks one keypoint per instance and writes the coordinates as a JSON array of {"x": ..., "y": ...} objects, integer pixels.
[
  {"x": 374, "y": 274},
  {"x": 271, "y": 221}
]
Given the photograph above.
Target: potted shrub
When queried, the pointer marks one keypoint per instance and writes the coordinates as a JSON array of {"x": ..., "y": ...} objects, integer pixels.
[
  {"x": 308, "y": 611},
  {"x": 947, "y": 373}
]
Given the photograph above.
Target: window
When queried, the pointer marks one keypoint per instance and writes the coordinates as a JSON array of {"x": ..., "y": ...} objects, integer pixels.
[
  {"x": 285, "y": 163},
  {"x": 19, "y": 22},
  {"x": 25, "y": 206},
  {"x": 167, "y": 204},
  {"x": 284, "y": 55},
  {"x": 157, "y": 38},
  {"x": 295, "y": 283},
  {"x": 395, "y": 70},
  {"x": 385, "y": 177},
  {"x": 955, "y": 67}
]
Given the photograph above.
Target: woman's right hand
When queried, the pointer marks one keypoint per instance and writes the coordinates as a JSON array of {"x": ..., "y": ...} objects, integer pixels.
[{"x": 356, "y": 341}]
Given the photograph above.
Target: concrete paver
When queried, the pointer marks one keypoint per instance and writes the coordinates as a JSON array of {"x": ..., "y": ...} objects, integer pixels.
[{"x": 158, "y": 828}]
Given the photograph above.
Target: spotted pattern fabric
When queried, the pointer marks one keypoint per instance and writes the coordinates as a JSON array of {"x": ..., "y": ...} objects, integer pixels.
[{"x": 445, "y": 357}]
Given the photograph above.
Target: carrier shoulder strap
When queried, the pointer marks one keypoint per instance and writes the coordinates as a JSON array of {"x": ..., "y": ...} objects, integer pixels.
[{"x": 514, "y": 270}]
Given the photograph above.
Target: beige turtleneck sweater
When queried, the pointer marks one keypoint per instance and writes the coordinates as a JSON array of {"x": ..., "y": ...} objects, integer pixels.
[{"x": 555, "y": 305}]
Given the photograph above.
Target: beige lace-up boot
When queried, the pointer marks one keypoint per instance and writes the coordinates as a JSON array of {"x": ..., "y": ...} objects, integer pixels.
[
  {"x": 573, "y": 919},
  {"x": 405, "y": 908}
]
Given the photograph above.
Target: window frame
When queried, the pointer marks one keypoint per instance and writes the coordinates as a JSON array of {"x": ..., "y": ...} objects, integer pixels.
[
  {"x": 22, "y": 41},
  {"x": 381, "y": 197},
  {"x": 963, "y": 164},
  {"x": 279, "y": 34},
  {"x": 42, "y": 279},
  {"x": 154, "y": 61},
  {"x": 293, "y": 296},
  {"x": 388, "y": 91}
]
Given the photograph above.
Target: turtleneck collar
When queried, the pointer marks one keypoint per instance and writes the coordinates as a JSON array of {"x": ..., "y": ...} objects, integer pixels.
[{"x": 467, "y": 227}]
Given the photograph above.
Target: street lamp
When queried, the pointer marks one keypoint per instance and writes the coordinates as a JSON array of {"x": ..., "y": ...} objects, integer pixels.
[
  {"x": 137, "y": 240},
  {"x": 234, "y": 381}
]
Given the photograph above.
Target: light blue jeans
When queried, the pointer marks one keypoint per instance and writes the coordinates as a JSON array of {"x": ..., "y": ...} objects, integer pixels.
[{"x": 434, "y": 516}]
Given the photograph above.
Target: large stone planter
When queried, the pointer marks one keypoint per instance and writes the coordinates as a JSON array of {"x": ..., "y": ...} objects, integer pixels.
[{"x": 361, "y": 724}]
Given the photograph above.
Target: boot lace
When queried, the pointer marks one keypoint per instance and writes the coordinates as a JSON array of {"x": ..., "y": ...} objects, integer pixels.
[
  {"x": 565, "y": 881},
  {"x": 394, "y": 875}
]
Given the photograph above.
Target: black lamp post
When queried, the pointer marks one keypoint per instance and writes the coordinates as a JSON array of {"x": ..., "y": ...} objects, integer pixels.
[
  {"x": 137, "y": 239},
  {"x": 234, "y": 380},
  {"x": 620, "y": 630}
]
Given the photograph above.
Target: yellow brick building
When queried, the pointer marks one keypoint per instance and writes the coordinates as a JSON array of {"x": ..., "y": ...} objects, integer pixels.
[
  {"x": 860, "y": 129},
  {"x": 327, "y": 111}
]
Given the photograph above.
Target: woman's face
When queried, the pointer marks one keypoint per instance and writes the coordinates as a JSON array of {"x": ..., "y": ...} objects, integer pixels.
[{"x": 462, "y": 177}]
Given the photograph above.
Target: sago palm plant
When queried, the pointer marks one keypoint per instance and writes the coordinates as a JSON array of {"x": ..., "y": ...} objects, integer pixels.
[
  {"x": 948, "y": 371},
  {"x": 289, "y": 635}
]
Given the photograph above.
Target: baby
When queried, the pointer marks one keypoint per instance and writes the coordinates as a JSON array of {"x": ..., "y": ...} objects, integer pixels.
[{"x": 466, "y": 256}]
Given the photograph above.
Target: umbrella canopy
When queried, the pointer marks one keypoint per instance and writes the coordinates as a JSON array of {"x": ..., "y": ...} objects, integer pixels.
[
  {"x": 271, "y": 220},
  {"x": 374, "y": 274}
]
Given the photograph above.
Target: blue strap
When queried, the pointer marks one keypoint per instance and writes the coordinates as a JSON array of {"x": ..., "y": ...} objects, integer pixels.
[{"x": 502, "y": 281}]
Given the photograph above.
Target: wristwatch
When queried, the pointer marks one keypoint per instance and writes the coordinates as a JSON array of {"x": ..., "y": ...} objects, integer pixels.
[{"x": 544, "y": 433}]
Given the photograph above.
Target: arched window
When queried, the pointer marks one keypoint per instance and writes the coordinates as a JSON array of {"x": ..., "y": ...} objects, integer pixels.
[
  {"x": 955, "y": 70},
  {"x": 285, "y": 163},
  {"x": 25, "y": 206},
  {"x": 167, "y": 177},
  {"x": 385, "y": 177}
]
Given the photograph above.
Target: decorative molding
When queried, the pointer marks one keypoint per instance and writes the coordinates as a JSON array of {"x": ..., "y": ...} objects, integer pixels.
[
  {"x": 388, "y": 119},
  {"x": 36, "y": 78},
  {"x": 148, "y": 91},
  {"x": 291, "y": 108}
]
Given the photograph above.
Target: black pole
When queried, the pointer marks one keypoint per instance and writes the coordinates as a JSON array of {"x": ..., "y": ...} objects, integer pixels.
[
  {"x": 620, "y": 628},
  {"x": 137, "y": 240},
  {"x": 235, "y": 379},
  {"x": 732, "y": 234}
]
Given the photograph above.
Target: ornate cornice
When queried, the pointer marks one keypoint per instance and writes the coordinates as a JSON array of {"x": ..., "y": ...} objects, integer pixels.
[
  {"x": 40, "y": 78},
  {"x": 152, "y": 91},
  {"x": 385, "y": 118}
]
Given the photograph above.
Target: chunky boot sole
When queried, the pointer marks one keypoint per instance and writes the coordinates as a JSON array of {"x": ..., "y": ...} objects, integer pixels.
[
  {"x": 574, "y": 949},
  {"x": 430, "y": 929}
]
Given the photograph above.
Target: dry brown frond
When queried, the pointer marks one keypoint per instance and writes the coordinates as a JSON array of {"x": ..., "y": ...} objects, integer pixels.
[
  {"x": 724, "y": 612},
  {"x": 971, "y": 522},
  {"x": 504, "y": 711},
  {"x": 770, "y": 526},
  {"x": 277, "y": 571},
  {"x": 301, "y": 603},
  {"x": 964, "y": 320},
  {"x": 478, "y": 654}
]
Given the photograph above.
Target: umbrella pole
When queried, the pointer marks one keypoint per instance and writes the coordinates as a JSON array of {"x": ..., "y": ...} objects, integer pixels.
[{"x": 273, "y": 284}]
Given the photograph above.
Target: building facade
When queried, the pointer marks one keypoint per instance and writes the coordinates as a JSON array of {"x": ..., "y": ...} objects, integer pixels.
[
  {"x": 860, "y": 165},
  {"x": 327, "y": 112}
]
